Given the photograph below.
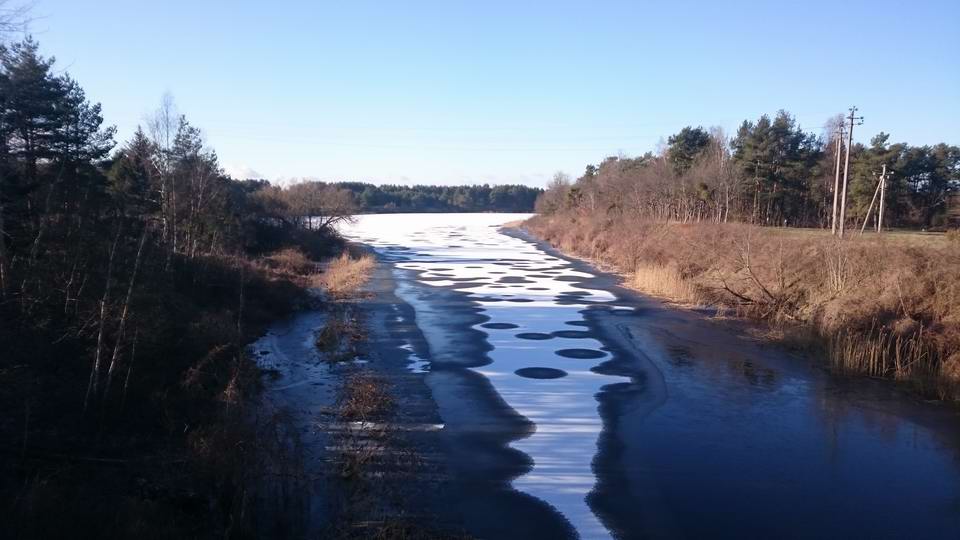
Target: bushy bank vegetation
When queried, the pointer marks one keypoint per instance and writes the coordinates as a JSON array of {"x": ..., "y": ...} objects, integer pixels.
[
  {"x": 131, "y": 279},
  {"x": 883, "y": 306},
  {"x": 683, "y": 224}
]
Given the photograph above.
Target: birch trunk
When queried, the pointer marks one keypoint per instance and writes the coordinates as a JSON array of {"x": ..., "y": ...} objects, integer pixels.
[
  {"x": 92, "y": 385},
  {"x": 123, "y": 316}
]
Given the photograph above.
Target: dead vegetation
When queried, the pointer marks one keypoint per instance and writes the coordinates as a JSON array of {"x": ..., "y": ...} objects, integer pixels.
[
  {"x": 341, "y": 277},
  {"x": 344, "y": 276},
  {"x": 882, "y": 352},
  {"x": 885, "y": 306},
  {"x": 342, "y": 336},
  {"x": 953, "y": 236},
  {"x": 377, "y": 469},
  {"x": 665, "y": 281},
  {"x": 374, "y": 467},
  {"x": 365, "y": 398},
  {"x": 290, "y": 262}
]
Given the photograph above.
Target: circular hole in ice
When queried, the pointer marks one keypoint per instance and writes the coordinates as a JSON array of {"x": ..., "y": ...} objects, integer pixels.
[
  {"x": 580, "y": 353},
  {"x": 500, "y": 326},
  {"x": 534, "y": 336},
  {"x": 541, "y": 373},
  {"x": 573, "y": 334}
]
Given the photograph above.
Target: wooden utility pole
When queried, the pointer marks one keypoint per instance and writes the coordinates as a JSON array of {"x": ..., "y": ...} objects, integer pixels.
[
  {"x": 883, "y": 196},
  {"x": 846, "y": 166},
  {"x": 836, "y": 181},
  {"x": 881, "y": 188},
  {"x": 756, "y": 192},
  {"x": 866, "y": 218}
]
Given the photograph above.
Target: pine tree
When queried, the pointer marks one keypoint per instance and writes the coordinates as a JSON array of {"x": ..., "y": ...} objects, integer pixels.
[{"x": 685, "y": 147}]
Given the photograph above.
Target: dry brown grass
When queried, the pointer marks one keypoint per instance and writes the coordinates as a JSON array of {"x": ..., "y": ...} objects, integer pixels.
[
  {"x": 664, "y": 281},
  {"x": 342, "y": 336},
  {"x": 861, "y": 286},
  {"x": 884, "y": 353},
  {"x": 346, "y": 275},
  {"x": 365, "y": 397},
  {"x": 953, "y": 236},
  {"x": 290, "y": 262},
  {"x": 363, "y": 404}
]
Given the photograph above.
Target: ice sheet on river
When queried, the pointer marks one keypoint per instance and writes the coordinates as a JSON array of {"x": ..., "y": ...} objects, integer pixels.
[{"x": 542, "y": 359}]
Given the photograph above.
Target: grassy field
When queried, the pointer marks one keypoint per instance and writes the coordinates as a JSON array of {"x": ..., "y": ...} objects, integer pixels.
[{"x": 899, "y": 236}]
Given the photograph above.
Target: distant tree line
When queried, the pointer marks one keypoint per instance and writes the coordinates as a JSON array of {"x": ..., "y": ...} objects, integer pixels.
[
  {"x": 771, "y": 172},
  {"x": 421, "y": 198},
  {"x": 307, "y": 198}
]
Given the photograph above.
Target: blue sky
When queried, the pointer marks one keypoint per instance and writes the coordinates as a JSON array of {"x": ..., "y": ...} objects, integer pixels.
[{"x": 500, "y": 92}]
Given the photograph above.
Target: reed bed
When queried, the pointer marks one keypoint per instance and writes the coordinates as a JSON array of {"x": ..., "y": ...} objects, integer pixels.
[
  {"x": 880, "y": 352},
  {"x": 665, "y": 281}
]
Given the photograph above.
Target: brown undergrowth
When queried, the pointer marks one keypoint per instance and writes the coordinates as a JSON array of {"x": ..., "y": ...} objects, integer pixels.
[
  {"x": 342, "y": 280},
  {"x": 342, "y": 336},
  {"x": 879, "y": 305},
  {"x": 344, "y": 276}
]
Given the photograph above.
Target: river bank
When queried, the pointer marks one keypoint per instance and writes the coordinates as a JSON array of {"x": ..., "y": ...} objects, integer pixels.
[{"x": 877, "y": 306}]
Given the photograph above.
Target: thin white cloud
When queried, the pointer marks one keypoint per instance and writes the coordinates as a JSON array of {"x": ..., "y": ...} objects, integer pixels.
[{"x": 241, "y": 171}]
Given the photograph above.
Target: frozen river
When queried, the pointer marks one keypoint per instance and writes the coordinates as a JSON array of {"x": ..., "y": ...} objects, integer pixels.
[{"x": 623, "y": 418}]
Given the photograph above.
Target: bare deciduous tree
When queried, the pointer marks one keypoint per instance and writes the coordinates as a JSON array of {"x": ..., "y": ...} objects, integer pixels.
[
  {"x": 13, "y": 18},
  {"x": 162, "y": 126},
  {"x": 318, "y": 206}
]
